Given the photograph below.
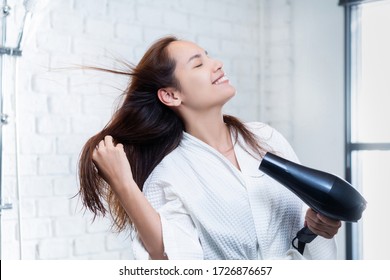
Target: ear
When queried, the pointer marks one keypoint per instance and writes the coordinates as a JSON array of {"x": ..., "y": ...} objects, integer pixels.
[{"x": 169, "y": 97}]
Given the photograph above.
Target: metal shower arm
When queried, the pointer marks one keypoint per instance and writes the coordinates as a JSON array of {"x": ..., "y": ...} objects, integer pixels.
[{"x": 10, "y": 51}]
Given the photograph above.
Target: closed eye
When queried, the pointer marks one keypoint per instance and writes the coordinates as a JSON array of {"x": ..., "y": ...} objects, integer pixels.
[{"x": 199, "y": 65}]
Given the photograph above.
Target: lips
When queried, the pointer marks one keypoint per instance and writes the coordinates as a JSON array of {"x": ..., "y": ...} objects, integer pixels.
[{"x": 220, "y": 79}]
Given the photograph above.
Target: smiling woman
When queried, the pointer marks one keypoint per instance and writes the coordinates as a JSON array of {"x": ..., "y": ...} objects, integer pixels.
[
  {"x": 203, "y": 84},
  {"x": 184, "y": 176}
]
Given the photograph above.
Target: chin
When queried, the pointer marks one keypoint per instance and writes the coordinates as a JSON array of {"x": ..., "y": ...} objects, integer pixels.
[
  {"x": 232, "y": 92},
  {"x": 225, "y": 95},
  {"x": 230, "y": 96}
]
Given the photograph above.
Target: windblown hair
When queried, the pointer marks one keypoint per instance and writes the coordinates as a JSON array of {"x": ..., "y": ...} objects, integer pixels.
[{"x": 147, "y": 128}]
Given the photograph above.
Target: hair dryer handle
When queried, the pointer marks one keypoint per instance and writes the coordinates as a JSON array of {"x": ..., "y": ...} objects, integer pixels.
[{"x": 305, "y": 235}]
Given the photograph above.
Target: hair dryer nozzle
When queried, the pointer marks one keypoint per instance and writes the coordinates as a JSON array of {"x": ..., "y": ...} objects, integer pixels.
[{"x": 323, "y": 192}]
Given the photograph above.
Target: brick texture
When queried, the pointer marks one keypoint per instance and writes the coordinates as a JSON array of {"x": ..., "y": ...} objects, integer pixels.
[{"x": 60, "y": 105}]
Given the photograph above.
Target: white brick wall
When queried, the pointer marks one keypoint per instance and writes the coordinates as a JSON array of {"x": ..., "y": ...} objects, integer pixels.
[
  {"x": 60, "y": 108},
  {"x": 278, "y": 95}
]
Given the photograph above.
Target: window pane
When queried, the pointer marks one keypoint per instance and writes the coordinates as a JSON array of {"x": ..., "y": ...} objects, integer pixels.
[
  {"x": 372, "y": 104},
  {"x": 371, "y": 172}
]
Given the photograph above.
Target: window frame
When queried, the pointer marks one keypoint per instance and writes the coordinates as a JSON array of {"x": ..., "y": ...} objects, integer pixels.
[{"x": 351, "y": 15}]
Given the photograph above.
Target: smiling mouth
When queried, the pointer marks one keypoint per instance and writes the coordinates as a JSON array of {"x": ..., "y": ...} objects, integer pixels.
[{"x": 221, "y": 80}]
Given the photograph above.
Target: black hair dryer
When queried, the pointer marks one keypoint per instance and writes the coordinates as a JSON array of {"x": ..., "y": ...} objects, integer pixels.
[{"x": 325, "y": 193}]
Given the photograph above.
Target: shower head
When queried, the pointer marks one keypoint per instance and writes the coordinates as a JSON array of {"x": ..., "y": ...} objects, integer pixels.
[
  {"x": 34, "y": 6},
  {"x": 30, "y": 5}
]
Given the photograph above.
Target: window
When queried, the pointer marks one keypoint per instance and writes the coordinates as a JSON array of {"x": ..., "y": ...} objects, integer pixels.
[{"x": 368, "y": 124}]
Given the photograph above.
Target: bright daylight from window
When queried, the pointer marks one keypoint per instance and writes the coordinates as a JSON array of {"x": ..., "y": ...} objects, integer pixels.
[{"x": 371, "y": 124}]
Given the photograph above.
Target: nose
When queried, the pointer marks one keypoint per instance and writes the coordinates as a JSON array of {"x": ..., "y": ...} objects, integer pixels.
[{"x": 217, "y": 65}]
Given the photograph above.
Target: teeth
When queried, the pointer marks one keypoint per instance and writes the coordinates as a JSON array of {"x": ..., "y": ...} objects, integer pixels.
[{"x": 220, "y": 80}]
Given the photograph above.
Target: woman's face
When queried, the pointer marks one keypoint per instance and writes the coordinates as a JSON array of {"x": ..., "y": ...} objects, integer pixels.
[{"x": 203, "y": 84}]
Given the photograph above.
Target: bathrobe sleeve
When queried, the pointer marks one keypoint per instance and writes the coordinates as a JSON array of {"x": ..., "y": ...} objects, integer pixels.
[{"x": 180, "y": 238}]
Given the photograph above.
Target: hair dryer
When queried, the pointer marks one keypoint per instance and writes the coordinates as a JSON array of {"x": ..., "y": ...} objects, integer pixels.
[{"x": 325, "y": 193}]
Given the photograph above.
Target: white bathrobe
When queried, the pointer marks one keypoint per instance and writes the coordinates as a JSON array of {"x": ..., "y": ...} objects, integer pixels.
[{"x": 211, "y": 210}]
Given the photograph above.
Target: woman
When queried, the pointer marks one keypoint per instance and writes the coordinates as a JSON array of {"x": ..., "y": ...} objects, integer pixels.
[{"x": 185, "y": 176}]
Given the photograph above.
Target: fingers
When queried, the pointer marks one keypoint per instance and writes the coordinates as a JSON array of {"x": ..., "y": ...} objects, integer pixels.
[
  {"x": 320, "y": 230},
  {"x": 103, "y": 145},
  {"x": 328, "y": 221},
  {"x": 321, "y": 225},
  {"x": 107, "y": 142}
]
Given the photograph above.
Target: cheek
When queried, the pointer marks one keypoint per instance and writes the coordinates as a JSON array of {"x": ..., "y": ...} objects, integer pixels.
[{"x": 196, "y": 85}]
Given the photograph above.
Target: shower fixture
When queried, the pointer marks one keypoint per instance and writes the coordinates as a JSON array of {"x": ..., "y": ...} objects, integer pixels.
[{"x": 8, "y": 63}]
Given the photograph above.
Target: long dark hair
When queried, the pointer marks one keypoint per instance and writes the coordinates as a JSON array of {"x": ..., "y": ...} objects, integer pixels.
[{"x": 147, "y": 129}]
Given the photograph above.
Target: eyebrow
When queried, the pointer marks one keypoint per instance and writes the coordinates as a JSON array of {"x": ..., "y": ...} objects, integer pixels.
[{"x": 198, "y": 55}]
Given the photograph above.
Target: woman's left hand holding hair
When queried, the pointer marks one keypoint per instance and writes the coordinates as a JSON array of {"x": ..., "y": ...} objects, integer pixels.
[
  {"x": 114, "y": 167},
  {"x": 112, "y": 163}
]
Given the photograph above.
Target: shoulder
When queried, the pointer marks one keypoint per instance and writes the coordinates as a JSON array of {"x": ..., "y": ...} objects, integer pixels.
[
  {"x": 260, "y": 129},
  {"x": 266, "y": 133},
  {"x": 272, "y": 139},
  {"x": 159, "y": 182}
]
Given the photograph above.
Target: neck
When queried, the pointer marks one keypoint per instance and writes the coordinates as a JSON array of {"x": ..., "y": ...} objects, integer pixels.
[{"x": 211, "y": 129}]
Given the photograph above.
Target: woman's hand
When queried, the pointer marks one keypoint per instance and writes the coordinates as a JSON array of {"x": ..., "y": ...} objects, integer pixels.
[
  {"x": 114, "y": 167},
  {"x": 321, "y": 225},
  {"x": 112, "y": 163}
]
